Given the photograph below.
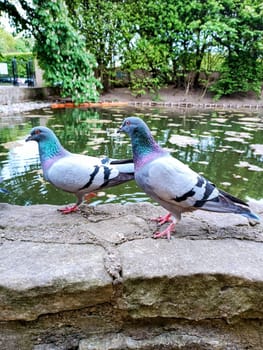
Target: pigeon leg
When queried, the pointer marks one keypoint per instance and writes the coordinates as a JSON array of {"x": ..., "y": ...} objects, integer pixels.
[
  {"x": 75, "y": 207},
  {"x": 90, "y": 195},
  {"x": 166, "y": 232},
  {"x": 69, "y": 210},
  {"x": 163, "y": 219}
]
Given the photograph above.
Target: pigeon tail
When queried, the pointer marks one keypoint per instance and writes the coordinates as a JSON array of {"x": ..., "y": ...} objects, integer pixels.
[
  {"x": 250, "y": 215},
  {"x": 223, "y": 204},
  {"x": 243, "y": 206},
  {"x": 118, "y": 180}
]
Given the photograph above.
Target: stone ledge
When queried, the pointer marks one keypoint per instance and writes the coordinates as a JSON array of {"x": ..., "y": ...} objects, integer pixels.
[
  {"x": 100, "y": 271},
  {"x": 192, "y": 279},
  {"x": 38, "y": 278}
]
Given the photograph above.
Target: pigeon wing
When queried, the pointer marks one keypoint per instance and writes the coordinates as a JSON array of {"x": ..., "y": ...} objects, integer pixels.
[
  {"x": 76, "y": 172},
  {"x": 172, "y": 181},
  {"x": 174, "y": 185}
]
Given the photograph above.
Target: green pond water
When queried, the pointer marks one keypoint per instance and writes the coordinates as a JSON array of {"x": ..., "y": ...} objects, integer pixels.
[{"x": 226, "y": 147}]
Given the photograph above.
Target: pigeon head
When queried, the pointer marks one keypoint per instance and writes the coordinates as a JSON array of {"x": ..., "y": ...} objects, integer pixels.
[
  {"x": 133, "y": 125},
  {"x": 143, "y": 144},
  {"x": 48, "y": 143},
  {"x": 41, "y": 133}
]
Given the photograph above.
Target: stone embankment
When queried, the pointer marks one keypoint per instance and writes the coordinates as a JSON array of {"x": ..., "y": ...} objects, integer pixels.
[
  {"x": 14, "y": 100},
  {"x": 97, "y": 280}
]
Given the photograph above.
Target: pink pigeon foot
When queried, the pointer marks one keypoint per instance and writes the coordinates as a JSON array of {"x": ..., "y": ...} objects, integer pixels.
[
  {"x": 166, "y": 232},
  {"x": 75, "y": 207},
  {"x": 163, "y": 219},
  {"x": 68, "y": 210}
]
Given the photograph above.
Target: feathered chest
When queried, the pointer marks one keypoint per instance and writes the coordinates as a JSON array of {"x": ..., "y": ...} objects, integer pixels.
[{"x": 47, "y": 164}]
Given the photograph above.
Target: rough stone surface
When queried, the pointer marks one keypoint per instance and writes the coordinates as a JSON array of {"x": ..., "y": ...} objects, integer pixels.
[{"x": 97, "y": 279}]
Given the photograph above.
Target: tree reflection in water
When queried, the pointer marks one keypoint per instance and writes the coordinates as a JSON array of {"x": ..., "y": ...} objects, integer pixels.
[{"x": 216, "y": 144}]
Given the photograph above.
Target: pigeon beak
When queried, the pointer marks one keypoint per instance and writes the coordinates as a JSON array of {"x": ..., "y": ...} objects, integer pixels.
[
  {"x": 120, "y": 129},
  {"x": 29, "y": 138}
]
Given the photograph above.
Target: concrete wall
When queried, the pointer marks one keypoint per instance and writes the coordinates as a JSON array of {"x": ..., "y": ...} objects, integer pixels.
[
  {"x": 15, "y": 94},
  {"x": 39, "y": 81}
]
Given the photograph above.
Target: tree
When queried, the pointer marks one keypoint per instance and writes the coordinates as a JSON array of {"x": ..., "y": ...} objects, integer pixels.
[
  {"x": 166, "y": 38},
  {"x": 190, "y": 30},
  {"x": 19, "y": 12},
  {"x": 61, "y": 52},
  {"x": 184, "y": 29},
  {"x": 147, "y": 67},
  {"x": 59, "y": 48},
  {"x": 9, "y": 43},
  {"x": 239, "y": 34},
  {"x": 105, "y": 26}
]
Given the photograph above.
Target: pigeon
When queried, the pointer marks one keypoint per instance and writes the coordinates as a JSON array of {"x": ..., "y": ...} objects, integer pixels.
[
  {"x": 79, "y": 174},
  {"x": 172, "y": 183}
]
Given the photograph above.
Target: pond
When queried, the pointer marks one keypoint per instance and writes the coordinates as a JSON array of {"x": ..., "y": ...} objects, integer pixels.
[{"x": 226, "y": 147}]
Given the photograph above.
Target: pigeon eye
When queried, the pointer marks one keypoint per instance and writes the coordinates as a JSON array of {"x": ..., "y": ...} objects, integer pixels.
[
  {"x": 128, "y": 122},
  {"x": 37, "y": 132}
]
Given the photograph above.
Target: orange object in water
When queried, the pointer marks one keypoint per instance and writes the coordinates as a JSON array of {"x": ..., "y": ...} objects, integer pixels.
[
  {"x": 58, "y": 105},
  {"x": 69, "y": 105},
  {"x": 88, "y": 104}
]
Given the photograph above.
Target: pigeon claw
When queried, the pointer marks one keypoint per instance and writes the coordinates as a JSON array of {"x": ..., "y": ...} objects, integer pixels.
[
  {"x": 163, "y": 219},
  {"x": 68, "y": 210},
  {"x": 166, "y": 232}
]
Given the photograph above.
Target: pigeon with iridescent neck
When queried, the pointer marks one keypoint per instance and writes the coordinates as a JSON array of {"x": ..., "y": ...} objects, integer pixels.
[
  {"x": 173, "y": 184},
  {"x": 75, "y": 173}
]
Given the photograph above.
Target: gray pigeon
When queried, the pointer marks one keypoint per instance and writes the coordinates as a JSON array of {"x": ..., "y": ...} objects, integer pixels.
[
  {"x": 79, "y": 174},
  {"x": 173, "y": 184}
]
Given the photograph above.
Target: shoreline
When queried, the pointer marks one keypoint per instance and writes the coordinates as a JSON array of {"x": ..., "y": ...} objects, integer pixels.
[
  {"x": 166, "y": 98},
  {"x": 170, "y": 97}
]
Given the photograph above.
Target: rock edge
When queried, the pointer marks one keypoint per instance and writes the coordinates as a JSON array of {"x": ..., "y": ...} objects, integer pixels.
[{"x": 98, "y": 280}]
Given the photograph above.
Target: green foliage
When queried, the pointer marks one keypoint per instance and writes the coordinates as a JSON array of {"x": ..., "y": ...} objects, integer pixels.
[
  {"x": 240, "y": 34},
  {"x": 147, "y": 65},
  {"x": 170, "y": 40},
  {"x": 61, "y": 52},
  {"x": 106, "y": 28},
  {"x": 21, "y": 60},
  {"x": 7, "y": 41},
  {"x": 10, "y": 43},
  {"x": 183, "y": 28},
  {"x": 212, "y": 62},
  {"x": 238, "y": 77}
]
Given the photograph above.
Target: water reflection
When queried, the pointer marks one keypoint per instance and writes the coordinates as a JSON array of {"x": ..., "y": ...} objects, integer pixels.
[{"x": 225, "y": 147}]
